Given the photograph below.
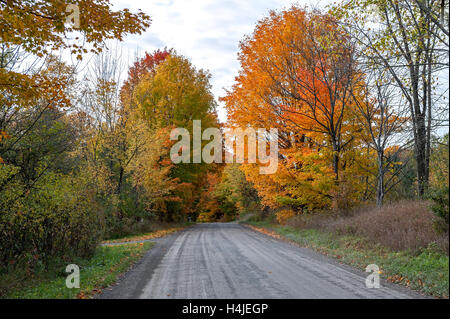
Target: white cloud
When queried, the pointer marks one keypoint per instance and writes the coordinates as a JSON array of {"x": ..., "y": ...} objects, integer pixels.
[{"x": 206, "y": 31}]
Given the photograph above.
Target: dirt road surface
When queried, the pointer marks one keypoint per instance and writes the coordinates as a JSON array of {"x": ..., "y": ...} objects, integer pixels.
[{"x": 228, "y": 260}]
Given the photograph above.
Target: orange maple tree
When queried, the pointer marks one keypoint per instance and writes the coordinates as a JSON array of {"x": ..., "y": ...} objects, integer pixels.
[
  {"x": 43, "y": 26},
  {"x": 297, "y": 74}
]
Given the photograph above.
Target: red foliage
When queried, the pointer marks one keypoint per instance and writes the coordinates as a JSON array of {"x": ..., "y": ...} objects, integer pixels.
[{"x": 143, "y": 66}]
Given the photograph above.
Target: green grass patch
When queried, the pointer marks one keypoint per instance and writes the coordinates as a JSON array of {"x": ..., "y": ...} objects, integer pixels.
[
  {"x": 145, "y": 236},
  {"x": 426, "y": 271},
  {"x": 102, "y": 270},
  {"x": 145, "y": 231}
]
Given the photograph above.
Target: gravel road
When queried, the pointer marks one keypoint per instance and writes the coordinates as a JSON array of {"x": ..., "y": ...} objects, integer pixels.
[{"x": 220, "y": 260}]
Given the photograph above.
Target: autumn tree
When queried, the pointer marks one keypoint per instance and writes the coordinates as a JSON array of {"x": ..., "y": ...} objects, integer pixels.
[
  {"x": 436, "y": 11},
  {"x": 209, "y": 207},
  {"x": 46, "y": 211},
  {"x": 117, "y": 145},
  {"x": 236, "y": 190},
  {"x": 36, "y": 133},
  {"x": 227, "y": 195},
  {"x": 305, "y": 74},
  {"x": 298, "y": 74},
  {"x": 41, "y": 27},
  {"x": 403, "y": 38},
  {"x": 51, "y": 82},
  {"x": 47, "y": 207},
  {"x": 141, "y": 67},
  {"x": 173, "y": 96},
  {"x": 439, "y": 183},
  {"x": 382, "y": 115},
  {"x": 104, "y": 144}
]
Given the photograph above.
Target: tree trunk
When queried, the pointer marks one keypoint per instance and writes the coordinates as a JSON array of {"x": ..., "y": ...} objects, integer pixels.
[
  {"x": 119, "y": 184},
  {"x": 335, "y": 160},
  {"x": 380, "y": 179},
  {"x": 421, "y": 151}
]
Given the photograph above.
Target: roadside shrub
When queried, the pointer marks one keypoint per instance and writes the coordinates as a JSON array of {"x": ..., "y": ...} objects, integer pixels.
[
  {"x": 132, "y": 227},
  {"x": 284, "y": 215},
  {"x": 405, "y": 225},
  {"x": 345, "y": 197},
  {"x": 125, "y": 215},
  {"x": 124, "y": 226},
  {"x": 440, "y": 208},
  {"x": 252, "y": 217},
  {"x": 57, "y": 219}
]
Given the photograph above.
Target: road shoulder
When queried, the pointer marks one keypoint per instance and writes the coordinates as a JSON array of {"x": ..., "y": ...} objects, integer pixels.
[{"x": 130, "y": 285}]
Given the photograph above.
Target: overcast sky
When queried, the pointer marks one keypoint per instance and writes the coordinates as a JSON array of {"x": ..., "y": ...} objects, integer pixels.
[{"x": 206, "y": 31}]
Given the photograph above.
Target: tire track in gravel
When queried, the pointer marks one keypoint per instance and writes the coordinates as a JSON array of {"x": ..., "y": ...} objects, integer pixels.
[{"x": 230, "y": 261}]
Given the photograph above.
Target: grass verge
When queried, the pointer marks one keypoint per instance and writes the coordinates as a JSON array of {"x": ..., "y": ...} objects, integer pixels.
[
  {"x": 426, "y": 271},
  {"x": 102, "y": 270},
  {"x": 145, "y": 236}
]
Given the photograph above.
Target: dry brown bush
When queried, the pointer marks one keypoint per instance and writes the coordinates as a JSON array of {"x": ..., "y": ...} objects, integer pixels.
[{"x": 405, "y": 225}]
